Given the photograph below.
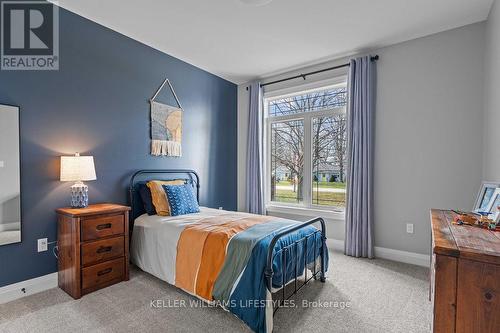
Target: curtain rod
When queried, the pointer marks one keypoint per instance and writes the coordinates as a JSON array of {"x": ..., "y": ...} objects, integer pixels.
[{"x": 374, "y": 58}]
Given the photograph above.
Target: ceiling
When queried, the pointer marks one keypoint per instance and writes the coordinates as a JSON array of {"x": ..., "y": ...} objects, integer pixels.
[{"x": 240, "y": 42}]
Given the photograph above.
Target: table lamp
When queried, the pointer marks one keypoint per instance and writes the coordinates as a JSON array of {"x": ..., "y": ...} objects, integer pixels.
[{"x": 78, "y": 169}]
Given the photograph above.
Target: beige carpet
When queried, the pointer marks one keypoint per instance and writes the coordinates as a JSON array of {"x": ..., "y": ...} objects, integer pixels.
[{"x": 382, "y": 296}]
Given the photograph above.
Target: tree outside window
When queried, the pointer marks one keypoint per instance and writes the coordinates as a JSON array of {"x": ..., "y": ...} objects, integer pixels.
[{"x": 324, "y": 112}]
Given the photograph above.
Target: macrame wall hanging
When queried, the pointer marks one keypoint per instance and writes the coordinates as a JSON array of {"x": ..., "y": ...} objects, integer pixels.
[{"x": 166, "y": 125}]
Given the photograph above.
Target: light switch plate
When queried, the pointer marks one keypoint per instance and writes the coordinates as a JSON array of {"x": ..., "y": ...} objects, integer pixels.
[{"x": 2, "y": 164}]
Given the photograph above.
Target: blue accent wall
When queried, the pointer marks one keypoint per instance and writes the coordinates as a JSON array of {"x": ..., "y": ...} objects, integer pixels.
[{"x": 97, "y": 104}]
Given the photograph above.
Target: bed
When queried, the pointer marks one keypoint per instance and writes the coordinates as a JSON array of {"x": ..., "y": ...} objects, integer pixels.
[{"x": 248, "y": 264}]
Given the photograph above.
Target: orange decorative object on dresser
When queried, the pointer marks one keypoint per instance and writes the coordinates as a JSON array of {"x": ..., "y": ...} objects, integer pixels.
[{"x": 93, "y": 247}]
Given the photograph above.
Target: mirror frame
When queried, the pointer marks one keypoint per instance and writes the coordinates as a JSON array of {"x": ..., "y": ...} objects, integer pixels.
[{"x": 20, "y": 175}]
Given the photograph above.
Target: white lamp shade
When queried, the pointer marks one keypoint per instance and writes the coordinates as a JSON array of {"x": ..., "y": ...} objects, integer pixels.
[{"x": 77, "y": 168}]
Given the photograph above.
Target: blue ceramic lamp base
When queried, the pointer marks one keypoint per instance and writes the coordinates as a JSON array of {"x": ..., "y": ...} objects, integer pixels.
[{"x": 79, "y": 195}]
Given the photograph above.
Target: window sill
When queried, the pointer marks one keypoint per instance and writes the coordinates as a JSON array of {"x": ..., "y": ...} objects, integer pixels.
[{"x": 308, "y": 212}]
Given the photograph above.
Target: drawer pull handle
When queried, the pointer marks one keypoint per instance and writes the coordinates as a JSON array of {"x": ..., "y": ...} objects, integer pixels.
[
  {"x": 104, "y": 249},
  {"x": 488, "y": 296},
  {"x": 103, "y": 226},
  {"x": 104, "y": 272}
]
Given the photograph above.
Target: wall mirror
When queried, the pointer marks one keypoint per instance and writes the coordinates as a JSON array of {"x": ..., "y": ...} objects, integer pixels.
[{"x": 10, "y": 176}]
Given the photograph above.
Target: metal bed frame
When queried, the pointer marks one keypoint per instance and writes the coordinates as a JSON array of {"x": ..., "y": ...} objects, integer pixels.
[{"x": 193, "y": 179}]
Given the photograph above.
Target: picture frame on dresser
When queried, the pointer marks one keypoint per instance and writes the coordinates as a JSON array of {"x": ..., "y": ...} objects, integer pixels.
[
  {"x": 493, "y": 205},
  {"x": 484, "y": 195}
]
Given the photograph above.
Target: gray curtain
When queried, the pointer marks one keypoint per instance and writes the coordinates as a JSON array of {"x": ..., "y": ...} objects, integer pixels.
[
  {"x": 360, "y": 120},
  {"x": 254, "y": 188}
]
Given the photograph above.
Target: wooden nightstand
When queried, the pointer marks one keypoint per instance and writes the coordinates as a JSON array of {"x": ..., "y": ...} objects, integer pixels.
[{"x": 93, "y": 247}]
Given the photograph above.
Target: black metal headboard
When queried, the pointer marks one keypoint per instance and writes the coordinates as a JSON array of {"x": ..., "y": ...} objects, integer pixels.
[{"x": 142, "y": 176}]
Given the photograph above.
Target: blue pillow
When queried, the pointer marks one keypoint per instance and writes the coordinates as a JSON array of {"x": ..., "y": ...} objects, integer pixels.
[
  {"x": 147, "y": 200},
  {"x": 182, "y": 199}
]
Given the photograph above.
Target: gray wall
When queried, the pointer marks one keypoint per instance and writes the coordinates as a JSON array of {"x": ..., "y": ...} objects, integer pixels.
[
  {"x": 427, "y": 147},
  {"x": 492, "y": 96},
  {"x": 10, "y": 208}
]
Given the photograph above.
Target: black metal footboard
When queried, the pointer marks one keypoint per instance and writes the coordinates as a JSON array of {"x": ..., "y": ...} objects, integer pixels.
[{"x": 269, "y": 273}]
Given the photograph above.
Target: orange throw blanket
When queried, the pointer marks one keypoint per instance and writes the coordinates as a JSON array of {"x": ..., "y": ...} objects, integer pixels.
[{"x": 201, "y": 250}]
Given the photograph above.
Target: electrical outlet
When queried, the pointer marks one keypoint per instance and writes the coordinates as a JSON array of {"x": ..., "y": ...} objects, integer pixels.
[
  {"x": 409, "y": 228},
  {"x": 220, "y": 208},
  {"x": 2, "y": 164},
  {"x": 42, "y": 245}
]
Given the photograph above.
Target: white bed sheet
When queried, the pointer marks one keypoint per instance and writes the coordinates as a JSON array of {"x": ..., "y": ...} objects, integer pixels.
[{"x": 154, "y": 241}]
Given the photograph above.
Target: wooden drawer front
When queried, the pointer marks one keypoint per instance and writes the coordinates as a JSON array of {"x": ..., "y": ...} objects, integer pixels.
[
  {"x": 478, "y": 297},
  {"x": 102, "y": 226},
  {"x": 99, "y": 275},
  {"x": 102, "y": 250}
]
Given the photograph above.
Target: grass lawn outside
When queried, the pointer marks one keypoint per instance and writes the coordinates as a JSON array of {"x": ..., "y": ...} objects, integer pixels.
[
  {"x": 319, "y": 198},
  {"x": 329, "y": 199},
  {"x": 329, "y": 185}
]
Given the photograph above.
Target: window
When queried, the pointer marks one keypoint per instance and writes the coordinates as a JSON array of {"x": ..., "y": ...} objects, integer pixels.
[
  {"x": 287, "y": 160},
  {"x": 306, "y": 146}
]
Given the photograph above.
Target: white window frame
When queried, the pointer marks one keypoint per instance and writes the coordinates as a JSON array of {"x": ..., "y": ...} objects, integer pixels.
[{"x": 306, "y": 208}]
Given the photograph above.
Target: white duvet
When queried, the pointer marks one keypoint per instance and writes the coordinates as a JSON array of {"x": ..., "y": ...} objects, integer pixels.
[{"x": 154, "y": 241}]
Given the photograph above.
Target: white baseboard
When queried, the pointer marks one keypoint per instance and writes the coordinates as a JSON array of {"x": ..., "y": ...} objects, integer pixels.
[
  {"x": 389, "y": 254},
  {"x": 32, "y": 286},
  {"x": 403, "y": 256}
]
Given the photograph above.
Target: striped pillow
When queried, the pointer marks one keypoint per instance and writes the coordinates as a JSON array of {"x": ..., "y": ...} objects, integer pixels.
[{"x": 160, "y": 200}]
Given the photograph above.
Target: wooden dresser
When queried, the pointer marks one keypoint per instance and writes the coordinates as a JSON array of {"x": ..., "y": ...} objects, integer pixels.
[
  {"x": 93, "y": 247},
  {"x": 465, "y": 276}
]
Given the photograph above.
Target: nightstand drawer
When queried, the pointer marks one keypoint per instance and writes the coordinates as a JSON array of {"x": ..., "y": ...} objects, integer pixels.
[
  {"x": 97, "y": 276},
  {"x": 102, "y": 250},
  {"x": 102, "y": 226}
]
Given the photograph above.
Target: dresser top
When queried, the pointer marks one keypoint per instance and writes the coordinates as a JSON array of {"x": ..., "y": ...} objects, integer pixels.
[
  {"x": 102, "y": 208},
  {"x": 462, "y": 240}
]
